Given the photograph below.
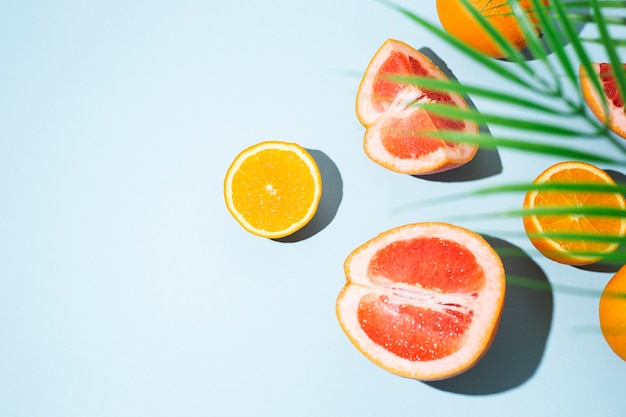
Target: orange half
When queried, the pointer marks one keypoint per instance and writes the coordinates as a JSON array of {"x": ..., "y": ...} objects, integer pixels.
[
  {"x": 273, "y": 188},
  {"x": 574, "y": 251}
]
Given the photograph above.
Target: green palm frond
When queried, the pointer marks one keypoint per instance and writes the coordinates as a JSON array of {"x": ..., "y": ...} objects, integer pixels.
[
  {"x": 523, "y": 145},
  {"x": 547, "y": 71},
  {"x": 552, "y": 97}
]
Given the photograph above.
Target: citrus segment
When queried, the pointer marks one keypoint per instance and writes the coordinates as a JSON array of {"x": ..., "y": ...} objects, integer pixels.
[
  {"x": 612, "y": 313},
  {"x": 422, "y": 300},
  {"x": 607, "y": 106},
  {"x": 417, "y": 334},
  {"x": 396, "y": 130},
  {"x": 273, "y": 188},
  {"x": 398, "y": 136},
  {"x": 458, "y": 22},
  {"x": 447, "y": 265},
  {"x": 575, "y": 250}
]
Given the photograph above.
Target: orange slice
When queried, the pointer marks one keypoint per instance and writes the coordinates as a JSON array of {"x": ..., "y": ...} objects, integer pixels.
[
  {"x": 607, "y": 106},
  {"x": 422, "y": 300},
  {"x": 395, "y": 127},
  {"x": 574, "y": 251},
  {"x": 273, "y": 188},
  {"x": 612, "y": 313}
]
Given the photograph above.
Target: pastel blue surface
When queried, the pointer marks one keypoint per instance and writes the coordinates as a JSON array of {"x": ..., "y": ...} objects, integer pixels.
[{"x": 126, "y": 289}]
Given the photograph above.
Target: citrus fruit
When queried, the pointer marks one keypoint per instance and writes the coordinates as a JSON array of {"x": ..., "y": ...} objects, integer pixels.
[
  {"x": 422, "y": 300},
  {"x": 612, "y": 313},
  {"x": 574, "y": 250},
  {"x": 458, "y": 22},
  {"x": 273, "y": 188},
  {"x": 608, "y": 106},
  {"x": 393, "y": 123}
]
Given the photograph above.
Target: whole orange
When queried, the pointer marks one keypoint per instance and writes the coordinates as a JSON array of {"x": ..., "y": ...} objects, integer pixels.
[
  {"x": 457, "y": 21},
  {"x": 613, "y": 313}
]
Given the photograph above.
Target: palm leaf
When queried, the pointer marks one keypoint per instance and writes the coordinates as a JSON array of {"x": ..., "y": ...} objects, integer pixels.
[
  {"x": 489, "y": 141},
  {"x": 454, "y": 112},
  {"x": 609, "y": 47},
  {"x": 548, "y": 79},
  {"x": 449, "y": 85},
  {"x": 491, "y": 65},
  {"x": 558, "y": 30},
  {"x": 604, "y": 4}
]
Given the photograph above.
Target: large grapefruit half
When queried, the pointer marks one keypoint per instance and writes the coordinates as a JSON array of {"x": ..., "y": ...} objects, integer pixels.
[
  {"x": 607, "y": 105},
  {"x": 395, "y": 127},
  {"x": 422, "y": 300}
]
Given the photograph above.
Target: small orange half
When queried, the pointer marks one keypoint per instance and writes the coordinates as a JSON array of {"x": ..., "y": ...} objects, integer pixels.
[{"x": 273, "y": 188}]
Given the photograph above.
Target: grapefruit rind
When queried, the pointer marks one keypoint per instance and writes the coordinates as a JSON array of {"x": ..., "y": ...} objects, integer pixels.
[
  {"x": 365, "y": 111},
  {"x": 300, "y": 153},
  {"x": 486, "y": 307},
  {"x": 448, "y": 156},
  {"x": 615, "y": 120}
]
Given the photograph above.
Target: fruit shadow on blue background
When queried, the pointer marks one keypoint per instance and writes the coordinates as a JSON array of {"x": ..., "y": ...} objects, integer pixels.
[
  {"x": 610, "y": 265},
  {"x": 332, "y": 194},
  {"x": 519, "y": 344},
  {"x": 486, "y": 162}
]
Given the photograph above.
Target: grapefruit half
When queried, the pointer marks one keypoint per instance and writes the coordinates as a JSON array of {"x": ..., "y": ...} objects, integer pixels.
[
  {"x": 395, "y": 128},
  {"x": 422, "y": 300},
  {"x": 607, "y": 106}
]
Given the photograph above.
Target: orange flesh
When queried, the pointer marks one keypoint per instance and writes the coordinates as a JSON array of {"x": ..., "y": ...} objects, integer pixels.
[
  {"x": 406, "y": 326},
  {"x": 612, "y": 313},
  {"x": 573, "y": 223},
  {"x": 271, "y": 198},
  {"x": 399, "y": 135}
]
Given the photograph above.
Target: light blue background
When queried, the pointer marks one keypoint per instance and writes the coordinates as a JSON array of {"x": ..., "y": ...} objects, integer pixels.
[{"x": 126, "y": 289}]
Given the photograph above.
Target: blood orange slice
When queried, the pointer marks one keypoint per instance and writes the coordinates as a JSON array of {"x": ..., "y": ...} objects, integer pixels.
[
  {"x": 395, "y": 129},
  {"x": 422, "y": 300},
  {"x": 608, "y": 107}
]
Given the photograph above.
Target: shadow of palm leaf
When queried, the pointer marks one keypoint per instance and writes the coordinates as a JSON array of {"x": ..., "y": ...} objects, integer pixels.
[{"x": 518, "y": 347}]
